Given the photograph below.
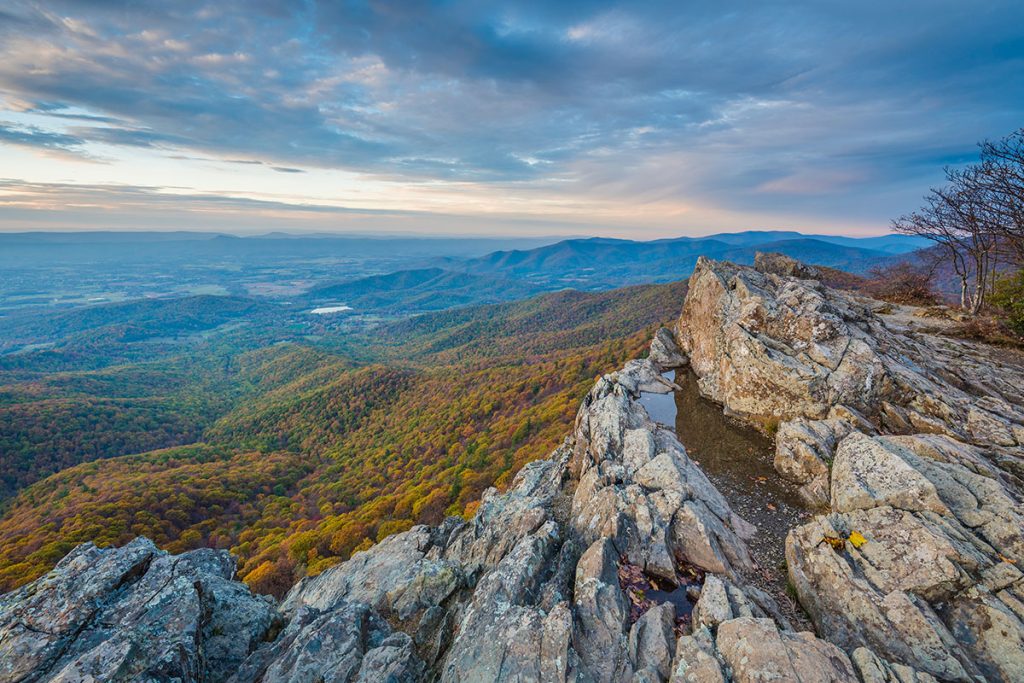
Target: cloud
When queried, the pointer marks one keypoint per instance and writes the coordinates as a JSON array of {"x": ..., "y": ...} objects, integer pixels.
[
  {"x": 55, "y": 196},
  {"x": 127, "y": 137},
  {"x": 798, "y": 106},
  {"x": 95, "y": 206},
  {"x": 32, "y": 136}
]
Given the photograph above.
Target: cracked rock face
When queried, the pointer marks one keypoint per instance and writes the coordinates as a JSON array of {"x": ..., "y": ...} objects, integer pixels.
[
  {"x": 131, "y": 613},
  {"x": 569, "y": 575},
  {"x": 936, "y": 585},
  {"x": 912, "y": 440},
  {"x": 775, "y": 348}
]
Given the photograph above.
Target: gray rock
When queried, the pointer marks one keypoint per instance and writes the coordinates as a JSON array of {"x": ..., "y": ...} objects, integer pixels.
[
  {"x": 804, "y": 451},
  {"x": 914, "y": 441},
  {"x": 874, "y": 669},
  {"x": 773, "y": 347},
  {"x": 665, "y": 352},
  {"x": 992, "y": 630},
  {"x": 504, "y": 633},
  {"x": 873, "y": 595},
  {"x": 652, "y": 642},
  {"x": 705, "y": 540},
  {"x": 750, "y": 649},
  {"x": 696, "y": 660},
  {"x": 713, "y": 606},
  {"x": 642, "y": 375},
  {"x": 780, "y": 264},
  {"x": 936, "y": 576},
  {"x": 601, "y": 615},
  {"x": 347, "y": 643},
  {"x": 131, "y": 613},
  {"x": 870, "y": 473},
  {"x": 755, "y": 650},
  {"x": 987, "y": 427},
  {"x": 395, "y": 575}
]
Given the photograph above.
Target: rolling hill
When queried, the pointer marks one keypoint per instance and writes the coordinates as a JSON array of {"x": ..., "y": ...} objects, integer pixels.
[
  {"x": 303, "y": 455},
  {"x": 128, "y": 321},
  {"x": 420, "y": 290}
]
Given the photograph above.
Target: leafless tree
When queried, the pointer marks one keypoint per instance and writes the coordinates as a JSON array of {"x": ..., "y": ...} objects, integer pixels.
[
  {"x": 977, "y": 218},
  {"x": 934, "y": 221},
  {"x": 1000, "y": 176},
  {"x": 967, "y": 203}
]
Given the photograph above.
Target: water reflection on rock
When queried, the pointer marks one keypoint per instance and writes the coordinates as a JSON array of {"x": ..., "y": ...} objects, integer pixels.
[{"x": 738, "y": 460}]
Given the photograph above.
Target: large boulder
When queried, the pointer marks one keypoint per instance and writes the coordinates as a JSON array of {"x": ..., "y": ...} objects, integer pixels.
[
  {"x": 665, "y": 352},
  {"x": 772, "y": 347},
  {"x": 932, "y": 582},
  {"x": 132, "y": 613},
  {"x": 804, "y": 451},
  {"x": 751, "y": 650},
  {"x": 869, "y": 473},
  {"x": 347, "y": 643}
]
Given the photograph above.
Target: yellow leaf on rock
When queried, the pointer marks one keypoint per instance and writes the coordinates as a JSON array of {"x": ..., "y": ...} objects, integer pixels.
[
  {"x": 838, "y": 544},
  {"x": 856, "y": 539}
]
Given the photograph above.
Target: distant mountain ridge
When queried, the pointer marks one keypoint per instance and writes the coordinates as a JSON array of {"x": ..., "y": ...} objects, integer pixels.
[
  {"x": 17, "y": 249},
  {"x": 596, "y": 263},
  {"x": 891, "y": 244},
  {"x": 601, "y": 262},
  {"x": 381, "y": 276}
]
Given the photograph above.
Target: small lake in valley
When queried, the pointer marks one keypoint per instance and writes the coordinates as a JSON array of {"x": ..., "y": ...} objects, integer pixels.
[{"x": 324, "y": 310}]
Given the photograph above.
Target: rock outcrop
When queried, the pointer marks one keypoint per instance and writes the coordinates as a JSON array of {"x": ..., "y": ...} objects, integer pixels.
[
  {"x": 530, "y": 589},
  {"x": 773, "y": 348},
  {"x": 617, "y": 559},
  {"x": 780, "y": 264},
  {"x": 913, "y": 441},
  {"x": 133, "y": 613},
  {"x": 936, "y": 583}
]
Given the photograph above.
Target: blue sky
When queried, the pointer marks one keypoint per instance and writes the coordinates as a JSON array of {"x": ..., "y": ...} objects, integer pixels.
[{"x": 639, "y": 119}]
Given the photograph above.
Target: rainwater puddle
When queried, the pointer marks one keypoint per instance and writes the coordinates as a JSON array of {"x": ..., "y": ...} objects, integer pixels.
[{"x": 738, "y": 461}]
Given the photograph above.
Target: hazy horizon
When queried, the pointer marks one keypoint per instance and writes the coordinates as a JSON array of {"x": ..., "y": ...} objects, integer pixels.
[{"x": 435, "y": 235}]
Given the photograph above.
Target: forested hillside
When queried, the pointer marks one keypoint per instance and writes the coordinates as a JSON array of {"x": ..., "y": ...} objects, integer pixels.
[
  {"x": 55, "y": 420},
  {"x": 422, "y": 290},
  {"x": 295, "y": 454}
]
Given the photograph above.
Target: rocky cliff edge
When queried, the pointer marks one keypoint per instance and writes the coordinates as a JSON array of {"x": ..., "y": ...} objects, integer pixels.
[{"x": 616, "y": 559}]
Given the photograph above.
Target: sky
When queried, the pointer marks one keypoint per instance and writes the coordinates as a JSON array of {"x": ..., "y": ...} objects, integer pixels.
[{"x": 630, "y": 119}]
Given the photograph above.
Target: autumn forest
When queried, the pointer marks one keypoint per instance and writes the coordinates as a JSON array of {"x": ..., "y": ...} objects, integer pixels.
[{"x": 292, "y": 451}]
